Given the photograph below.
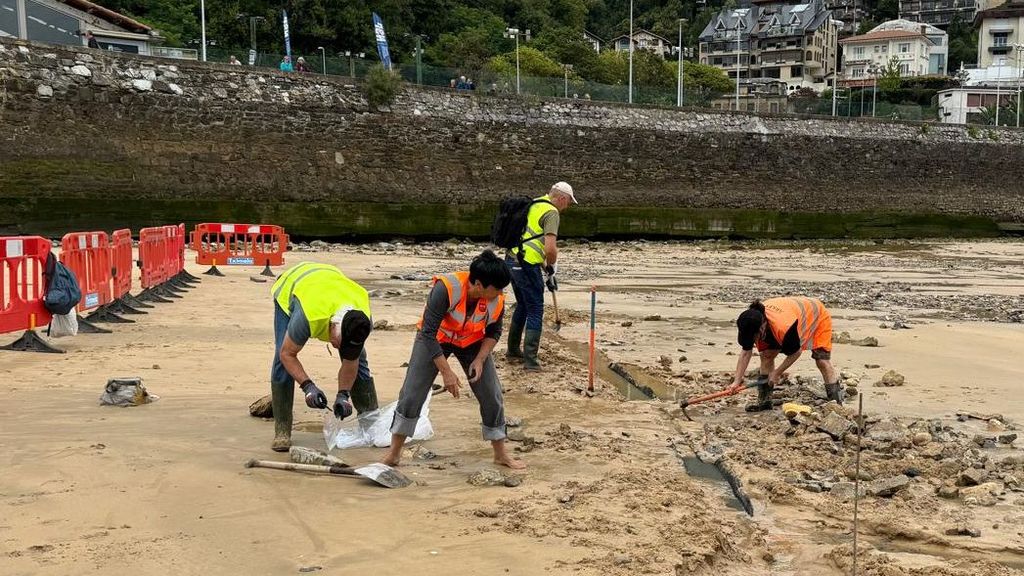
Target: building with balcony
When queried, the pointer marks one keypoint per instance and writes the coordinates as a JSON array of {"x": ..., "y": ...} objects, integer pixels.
[
  {"x": 938, "y": 52},
  {"x": 794, "y": 43},
  {"x": 849, "y": 12},
  {"x": 1000, "y": 29},
  {"x": 67, "y": 21},
  {"x": 919, "y": 50},
  {"x": 644, "y": 40},
  {"x": 938, "y": 12}
]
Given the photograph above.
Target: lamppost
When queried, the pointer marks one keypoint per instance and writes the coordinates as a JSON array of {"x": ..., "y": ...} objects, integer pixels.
[
  {"x": 202, "y": 19},
  {"x": 630, "y": 95},
  {"x": 323, "y": 58},
  {"x": 836, "y": 25},
  {"x": 679, "y": 72},
  {"x": 1019, "y": 48},
  {"x": 252, "y": 35},
  {"x": 567, "y": 68},
  {"x": 738, "y": 37},
  {"x": 874, "y": 70},
  {"x": 999, "y": 96},
  {"x": 514, "y": 33},
  {"x": 352, "y": 62}
]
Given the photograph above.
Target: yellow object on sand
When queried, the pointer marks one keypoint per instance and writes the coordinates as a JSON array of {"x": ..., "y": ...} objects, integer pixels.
[{"x": 792, "y": 409}]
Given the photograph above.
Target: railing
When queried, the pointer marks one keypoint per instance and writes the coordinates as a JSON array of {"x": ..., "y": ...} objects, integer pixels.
[
  {"x": 174, "y": 53},
  {"x": 784, "y": 31}
]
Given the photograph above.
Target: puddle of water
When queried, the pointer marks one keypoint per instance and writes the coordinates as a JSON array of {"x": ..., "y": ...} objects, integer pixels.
[
  {"x": 710, "y": 474},
  {"x": 628, "y": 389}
]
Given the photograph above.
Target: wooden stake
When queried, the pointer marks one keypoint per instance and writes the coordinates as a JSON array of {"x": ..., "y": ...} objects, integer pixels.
[{"x": 856, "y": 482}]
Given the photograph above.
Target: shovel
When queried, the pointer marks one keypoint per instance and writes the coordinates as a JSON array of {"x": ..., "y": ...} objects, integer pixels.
[
  {"x": 558, "y": 319},
  {"x": 730, "y": 391},
  {"x": 382, "y": 474}
]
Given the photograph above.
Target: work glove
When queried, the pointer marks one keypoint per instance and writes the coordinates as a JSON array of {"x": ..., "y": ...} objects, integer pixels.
[
  {"x": 552, "y": 279},
  {"x": 315, "y": 397},
  {"x": 342, "y": 405}
]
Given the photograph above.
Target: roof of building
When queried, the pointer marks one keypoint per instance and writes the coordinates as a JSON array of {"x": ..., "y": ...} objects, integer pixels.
[
  {"x": 642, "y": 31},
  {"x": 884, "y": 35},
  {"x": 592, "y": 35},
  {"x": 761, "y": 19},
  {"x": 1013, "y": 8},
  {"x": 901, "y": 24},
  {"x": 108, "y": 15}
]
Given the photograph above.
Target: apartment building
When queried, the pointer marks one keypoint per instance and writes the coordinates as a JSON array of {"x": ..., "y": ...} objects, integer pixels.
[
  {"x": 1001, "y": 28},
  {"x": 938, "y": 12}
]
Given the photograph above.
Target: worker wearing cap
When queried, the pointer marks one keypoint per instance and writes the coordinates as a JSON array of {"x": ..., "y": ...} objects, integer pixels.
[
  {"x": 462, "y": 318},
  {"x": 788, "y": 325},
  {"x": 537, "y": 259},
  {"x": 317, "y": 301}
]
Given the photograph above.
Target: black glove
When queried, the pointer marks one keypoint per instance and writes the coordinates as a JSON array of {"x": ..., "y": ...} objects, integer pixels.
[
  {"x": 315, "y": 397},
  {"x": 552, "y": 279},
  {"x": 342, "y": 405}
]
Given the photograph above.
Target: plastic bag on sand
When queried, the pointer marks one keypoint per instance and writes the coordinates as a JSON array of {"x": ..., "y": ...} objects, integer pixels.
[
  {"x": 372, "y": 428},
  {"x": 126, "y": 392},
  {"x": 64, "y": 325}
]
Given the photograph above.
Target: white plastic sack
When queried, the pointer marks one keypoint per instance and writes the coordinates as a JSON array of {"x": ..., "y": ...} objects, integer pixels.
[
  {"x": 372, "y": 428},
  {"x": 64, "y": 325}
]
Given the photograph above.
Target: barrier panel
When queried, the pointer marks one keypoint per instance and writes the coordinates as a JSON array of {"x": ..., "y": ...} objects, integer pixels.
[
  {"x": 87, "y": 255},
  {"x": 121, "y": 261},
  {"x": 240, "y": 245},
  {"x": 153, "y": 256},
  {"x": 22, "y": 289}
]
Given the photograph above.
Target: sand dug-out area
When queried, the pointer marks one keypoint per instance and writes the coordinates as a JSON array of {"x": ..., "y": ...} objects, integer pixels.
[{"x": 161, "y": 488}]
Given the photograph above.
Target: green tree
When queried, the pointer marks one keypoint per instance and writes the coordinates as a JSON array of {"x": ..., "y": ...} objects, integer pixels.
[
  {"x": 706, "y": 81},
  {"x": 889, "y": 77},
  {"x": 532, "y": 62}
]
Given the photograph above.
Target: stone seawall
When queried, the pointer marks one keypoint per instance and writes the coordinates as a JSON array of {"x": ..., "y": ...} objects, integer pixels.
[{"x": 105, "y": 140}]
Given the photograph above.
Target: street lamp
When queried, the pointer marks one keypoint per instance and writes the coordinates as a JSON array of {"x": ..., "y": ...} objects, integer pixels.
[
  {"x": 252, "y": 35},
  {"x": 351, "y": 61},
  {"x": 419, "y": 55},
  {"x": 202, "y": 18},
  {"x": 999, "y": 96},
  {"x": 567, "y": 68},
  {"x": 514, "y": 33},
  {"x": 738, "y": 37},
  {"x": 836, "y": 25},
  {"x": 874, "y": 70},
  {"x": 630, "y": 96},
  {"x": 323, "y": 57},
  {"x": 679, "y": 72},
  {"x": 1019, "y": 48}
]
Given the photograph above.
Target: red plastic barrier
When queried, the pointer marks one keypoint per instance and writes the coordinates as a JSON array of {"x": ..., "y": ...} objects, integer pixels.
[
  {"x": 154, "y": 256},
  {"x": 121, "y": 261},
  {"x": 22, "y": 259},
  {"x": 87, "y": 255},
  {"x": 239, "y": 244}
]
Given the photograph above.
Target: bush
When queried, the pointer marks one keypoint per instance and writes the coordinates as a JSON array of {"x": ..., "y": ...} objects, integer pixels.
[{"x": 381, "y": 87}]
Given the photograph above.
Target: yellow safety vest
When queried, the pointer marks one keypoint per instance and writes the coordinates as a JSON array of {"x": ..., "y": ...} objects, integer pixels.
[
  {"x": 322, "y": 290},
  {"x": 533, "y": 248}
]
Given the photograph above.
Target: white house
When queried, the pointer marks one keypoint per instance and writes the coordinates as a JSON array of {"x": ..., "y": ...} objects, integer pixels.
[
  {"x": 593, "y": 40},
  {"x": 876, "y": 49},
  {"x": 66, "y": 22},
  {"x": 644, "y": 40},
  {"x": 938, "y": 52},
  {"x": 959, "y": 105},
  {"x": 1001, "y": 28}
]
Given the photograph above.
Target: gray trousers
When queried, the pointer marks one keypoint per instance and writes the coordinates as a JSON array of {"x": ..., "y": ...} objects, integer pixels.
[{"x": 421, "y": 375}]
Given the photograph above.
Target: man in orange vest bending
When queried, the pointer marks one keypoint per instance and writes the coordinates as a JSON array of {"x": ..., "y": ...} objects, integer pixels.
[
  {"x": 462, "y": 319},
  {"x": 788, "y": 325}
]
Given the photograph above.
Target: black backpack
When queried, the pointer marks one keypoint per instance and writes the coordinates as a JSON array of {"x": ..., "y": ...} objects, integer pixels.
[
  {"x": 510, "y": 223},
  {"x": 62, "y": 291}
]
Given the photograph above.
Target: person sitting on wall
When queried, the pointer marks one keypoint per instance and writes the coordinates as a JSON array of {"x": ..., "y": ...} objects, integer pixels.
[
  {"x": 286, "y": 64},
  {"x": 300, "y": 65},
  {"x": 90, "y": 41}
]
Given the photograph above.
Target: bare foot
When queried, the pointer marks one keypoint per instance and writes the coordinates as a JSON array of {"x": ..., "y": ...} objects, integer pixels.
[
  {"x": 510, "y": 462},
  {"x": 390, "y": 460}
]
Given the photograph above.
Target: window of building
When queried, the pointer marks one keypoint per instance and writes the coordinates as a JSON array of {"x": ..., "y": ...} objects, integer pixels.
[
  {"x": 773, "y": 107},
  {"x": 857, "y": 72},
  {"x": 904, "y": 69},
  {"x": 1000, "y": 38},
  {"x": 885, "y": 49},
  {"x": 9, "y": 18},
  {"x": 750, "y": 106},
  {"x": 772, "y": 72},
  {"x": 796, "y": 71},
  {"x": 46, "y": 25},
  {"x": 858, "y": 51},
  {"x": 904, "y": 47}
]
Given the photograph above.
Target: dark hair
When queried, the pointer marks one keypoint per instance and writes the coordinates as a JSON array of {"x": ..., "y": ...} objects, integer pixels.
[
  {"x": 749, "y": 323},
  {"x": 490, "y": 270}
]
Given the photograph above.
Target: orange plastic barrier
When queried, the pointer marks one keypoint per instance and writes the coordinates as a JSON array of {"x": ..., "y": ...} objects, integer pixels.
[
  {"x": 22, "y": 287},
  {"x": 87, "y": 255},
  {"x": 239, "y": 244},
  {"x": 154, "y": 256},
  {"x": 121, "y": 261}
]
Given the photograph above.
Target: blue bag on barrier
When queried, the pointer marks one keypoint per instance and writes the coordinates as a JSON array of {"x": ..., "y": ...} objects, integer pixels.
[{"x": 62, "y": 291}]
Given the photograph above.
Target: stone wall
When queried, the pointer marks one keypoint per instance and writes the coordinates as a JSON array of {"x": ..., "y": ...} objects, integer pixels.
[{"x": 123, "y": 140}]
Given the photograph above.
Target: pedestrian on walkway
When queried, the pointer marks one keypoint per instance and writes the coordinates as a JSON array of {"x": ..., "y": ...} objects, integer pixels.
[
  {"x": 529, "y": 267},
  {"x": 317, "y": 301},
  {"x": 462, "y": 318},
  {"x": 790, "y": 326}
]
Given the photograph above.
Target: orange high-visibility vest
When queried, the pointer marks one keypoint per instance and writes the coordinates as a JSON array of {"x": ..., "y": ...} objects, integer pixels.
[
  {"x": 459, "y": 328},
  {"x": 814, "y": 323}
]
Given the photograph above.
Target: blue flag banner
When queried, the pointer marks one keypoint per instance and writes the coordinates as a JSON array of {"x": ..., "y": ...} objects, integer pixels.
[
  {"x": 287, "y": 35},
  {"x": 382, "y": 41}
]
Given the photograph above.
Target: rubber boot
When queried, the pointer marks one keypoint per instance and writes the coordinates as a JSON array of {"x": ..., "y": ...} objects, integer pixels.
[
  {"x": 531, "y": 348},
  {"x": 515, "y": 341},
  {"x": 282, "y": 396},
  {"x": 364, "y": 395},
  {"x": 764, "y": 397},
  {"x": 834, "y": 392}
]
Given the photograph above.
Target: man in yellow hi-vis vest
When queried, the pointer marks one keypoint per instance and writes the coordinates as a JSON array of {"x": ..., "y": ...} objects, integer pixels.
[
  {"x": 317, "y": 301},
  {"x": 529, "y": 266}
]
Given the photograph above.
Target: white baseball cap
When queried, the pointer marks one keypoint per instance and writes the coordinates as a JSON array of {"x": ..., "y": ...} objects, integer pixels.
[{"x": 564, "y": 188}]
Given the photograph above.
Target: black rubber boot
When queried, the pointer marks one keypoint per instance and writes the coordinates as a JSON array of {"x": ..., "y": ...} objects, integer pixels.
[
  {"x": 515, "y": 341},
  {"x": 364, "y": 395},
  {"x": 834, "y": 392},
  {"x": 531, "y": 348},
  {"x": 764, "y": 397},
  {"x": 282, "y": 396}
]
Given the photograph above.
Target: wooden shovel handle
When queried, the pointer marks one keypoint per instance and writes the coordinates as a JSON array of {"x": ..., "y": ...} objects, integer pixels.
[{"x": 292, "y": 467}]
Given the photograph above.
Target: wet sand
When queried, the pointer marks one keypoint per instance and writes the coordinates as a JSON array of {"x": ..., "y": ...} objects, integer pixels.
[{"x": 161, "y": 488}]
